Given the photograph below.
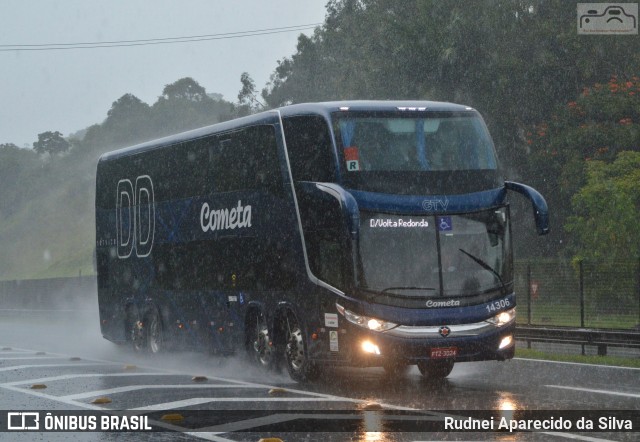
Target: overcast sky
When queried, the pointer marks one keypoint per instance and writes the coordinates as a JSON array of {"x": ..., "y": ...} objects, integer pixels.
[{"x": 68, "y": 90}]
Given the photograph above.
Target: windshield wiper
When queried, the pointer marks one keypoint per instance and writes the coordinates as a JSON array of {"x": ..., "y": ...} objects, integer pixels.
[
  {"x": 377, "y": 294},
  {"x": 407, "y": 288},
  {"x": 486, "y": 266}
]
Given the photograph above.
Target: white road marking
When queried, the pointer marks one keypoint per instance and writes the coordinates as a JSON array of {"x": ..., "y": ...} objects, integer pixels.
[
  {"x": 129, "y": 388},
  {"x": 208, "y": 436},
  {"x": 577, "y": 363},
  {"x": 25, "y": 367},
  {"x": 211, "y": 434},
  {"x": 36, "y": 357},
  {"x": 175, "y": 405},
  {"x": 82, "y": 375},
  {"x": 590, "y": 390},
  {"x": 199, "y": 401},
  {"x": 49, "y": 397},
  {"x": 248, "y": 424}
]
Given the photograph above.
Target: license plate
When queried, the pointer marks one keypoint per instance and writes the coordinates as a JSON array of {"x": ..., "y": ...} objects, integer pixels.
[{"x": 443, "y": 353}]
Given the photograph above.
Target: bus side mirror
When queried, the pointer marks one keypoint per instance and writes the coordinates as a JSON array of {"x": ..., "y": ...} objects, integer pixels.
[
  {"x": 348, "y": 206},
  {"x": 318, "y": 200},
  {"x": 330, "y": 222},
  {"x": 540, "y": 209}
]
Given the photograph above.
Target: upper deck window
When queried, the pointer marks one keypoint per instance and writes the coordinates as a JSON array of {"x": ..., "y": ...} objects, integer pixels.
[
  {"x": 417, "y": 147},
  {"x": 309, "y": 147}
]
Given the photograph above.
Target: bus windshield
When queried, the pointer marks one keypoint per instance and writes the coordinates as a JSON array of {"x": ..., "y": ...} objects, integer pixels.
[
  {"x": 430, "y": 256},
  {"x": 410, "y": 146}
]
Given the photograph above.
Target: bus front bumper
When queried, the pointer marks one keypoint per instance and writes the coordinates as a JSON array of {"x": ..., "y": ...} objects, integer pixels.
[{"x": 410, "y": 345}]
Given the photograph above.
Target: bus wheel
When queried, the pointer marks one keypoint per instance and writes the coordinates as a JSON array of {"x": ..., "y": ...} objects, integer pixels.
[
  {"x": 436, "y": 369},
  {"x": 155, "y": 337},
  {"x": 259, "y": 344},
  {"x": 298, "y": 365}
]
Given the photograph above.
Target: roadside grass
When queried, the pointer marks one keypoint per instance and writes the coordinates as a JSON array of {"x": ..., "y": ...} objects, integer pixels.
[
  {"x": 568, "y": 315},
  {"x": 617, "y": 361}
]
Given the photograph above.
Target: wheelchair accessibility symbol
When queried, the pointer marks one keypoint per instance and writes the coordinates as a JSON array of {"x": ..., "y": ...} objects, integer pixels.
[{"x": 444, "y": 223}]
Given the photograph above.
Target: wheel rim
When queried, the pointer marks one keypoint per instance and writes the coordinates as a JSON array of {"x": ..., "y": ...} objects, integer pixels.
[
  {"x": 295, "y": 349},
  {"x": 155, "y": 335},
  {"x": 137, "y": 336},
  {"x": 261, "y": 344}
]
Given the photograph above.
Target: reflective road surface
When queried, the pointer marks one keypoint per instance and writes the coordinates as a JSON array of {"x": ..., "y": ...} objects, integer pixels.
[{"x": 58, "y": 361}]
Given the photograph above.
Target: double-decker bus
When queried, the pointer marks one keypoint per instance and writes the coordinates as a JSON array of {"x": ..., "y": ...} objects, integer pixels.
[{"x": 363, "y": 233}]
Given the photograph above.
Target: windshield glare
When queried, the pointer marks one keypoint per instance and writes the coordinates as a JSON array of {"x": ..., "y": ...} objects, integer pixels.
[{"x": 428, "y": 256}]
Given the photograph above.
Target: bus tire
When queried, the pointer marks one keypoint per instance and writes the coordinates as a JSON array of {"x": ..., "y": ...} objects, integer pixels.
[
  {"x": 155, "y": 332},
  {"x": 436, "y": 369},
  {"x": 258, "y": 342},
  {"x": 299, "y": 366}
]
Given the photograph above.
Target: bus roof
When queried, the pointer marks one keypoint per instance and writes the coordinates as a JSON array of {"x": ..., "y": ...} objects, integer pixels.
[
  {"x": 371, "y": 105},
  {"x": 271, "y": 116}
]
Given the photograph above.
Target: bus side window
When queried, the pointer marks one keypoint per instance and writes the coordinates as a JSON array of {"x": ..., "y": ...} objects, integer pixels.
[
  {"x": 246, "y": 160},
  {"x": 191, "y": 176},
  {"x": 310, "y": 149}
]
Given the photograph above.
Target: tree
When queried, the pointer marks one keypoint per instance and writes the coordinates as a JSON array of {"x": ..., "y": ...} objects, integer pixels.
[
  {"x": 184, "y": 89},
  {"x": 514, "y": 61},
  {"x": 128, "y": 121},
  {"x": 16, "y": 167},
  {"x": 127, "y": 106},
  {"x": 601, "y": 122},
  {"x": 605, "y": 225},
  {"x": 247, "y": 97},
  {"x": 185, "y": 105},
  {"x": 605, "y": 219},
  {"x": 51, "y": 143}
]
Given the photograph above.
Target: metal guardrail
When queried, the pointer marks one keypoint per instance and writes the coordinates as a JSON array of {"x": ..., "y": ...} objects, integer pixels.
[
  {"x": 79, "y": 293},
  {"x": 602, "y": 338}
]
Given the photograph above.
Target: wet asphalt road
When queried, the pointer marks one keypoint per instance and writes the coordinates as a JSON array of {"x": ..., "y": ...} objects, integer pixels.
[{"x": 237, "y": 402}]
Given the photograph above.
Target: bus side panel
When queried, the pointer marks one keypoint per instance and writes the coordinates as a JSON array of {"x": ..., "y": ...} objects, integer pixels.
[{"x": 198, "y": 256}]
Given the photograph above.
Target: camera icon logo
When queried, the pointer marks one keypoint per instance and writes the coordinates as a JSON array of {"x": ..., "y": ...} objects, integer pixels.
[{"x": 607, "y": 18}]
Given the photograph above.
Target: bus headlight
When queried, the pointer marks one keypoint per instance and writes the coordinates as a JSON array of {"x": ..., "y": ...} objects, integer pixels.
[
  {"x": 365, "y": 321},
  {"x": 506, "y": 341},
  {"x": 503, "y": 318},
  {"x": 370, "y": 347}
]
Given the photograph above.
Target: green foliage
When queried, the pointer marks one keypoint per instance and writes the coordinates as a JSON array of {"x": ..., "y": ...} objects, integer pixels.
[
  {"x": 514, "y": 61},
  {"x": 17, "y": 167},
  {"x": 247, "y": 96},
  {"x": 186, "y": 89},
  {"x": 128, "y": 120},
  {"x": 575, "y": 148},
  {"x": 605, "y": 220},
  {"x": 51, "y": 143},
  {"x": 518, "y": 62},
  {"x": 185, "y": 105},
  {"x": 46, "y": 203}
]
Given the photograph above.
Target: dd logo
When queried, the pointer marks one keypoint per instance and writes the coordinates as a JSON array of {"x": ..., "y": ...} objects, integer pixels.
[{"x": 135, "y": 211}]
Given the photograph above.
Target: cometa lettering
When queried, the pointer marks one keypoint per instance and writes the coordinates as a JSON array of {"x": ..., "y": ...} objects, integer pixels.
[
  {"x": 225, "y": 219},
  {"x": 449, "y": 303}
]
